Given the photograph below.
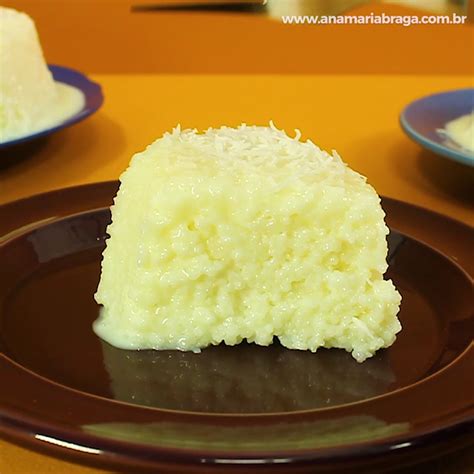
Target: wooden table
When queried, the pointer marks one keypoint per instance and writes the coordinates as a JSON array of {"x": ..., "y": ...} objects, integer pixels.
[{"x": 349, "y": 110}]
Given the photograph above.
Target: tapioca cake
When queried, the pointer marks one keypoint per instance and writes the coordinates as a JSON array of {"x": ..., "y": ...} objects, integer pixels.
[
  {"x": 30, "y": 99},
  {"x": 245, "y": 233}
]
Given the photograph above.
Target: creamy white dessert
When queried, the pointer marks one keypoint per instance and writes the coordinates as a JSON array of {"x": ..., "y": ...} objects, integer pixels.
[
  {"x": 461, "y": 131},
  {"x": 30, "y": 100},
  {"x": 249, "y": 234}
]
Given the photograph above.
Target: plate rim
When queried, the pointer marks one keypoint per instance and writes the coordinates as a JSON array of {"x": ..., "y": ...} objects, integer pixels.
[
  {"x": 332, "y": 453},
  {"x": 459, "y": 156}
]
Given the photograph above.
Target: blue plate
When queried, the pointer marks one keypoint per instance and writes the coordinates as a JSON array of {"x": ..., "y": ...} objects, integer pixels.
[
  {"x": 423, "y": 118},
  {"x": 93, "y": 99}
]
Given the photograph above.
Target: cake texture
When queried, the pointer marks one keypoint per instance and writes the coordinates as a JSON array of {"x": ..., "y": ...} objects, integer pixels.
[
  {"x": 30, "y": 100},
  {"x": 245, "y": 233}
]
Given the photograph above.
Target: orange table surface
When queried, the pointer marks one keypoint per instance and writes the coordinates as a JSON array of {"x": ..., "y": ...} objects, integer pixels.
[
  {"x": 357, "y": 115},
  {"x": 105, "y": 36}
]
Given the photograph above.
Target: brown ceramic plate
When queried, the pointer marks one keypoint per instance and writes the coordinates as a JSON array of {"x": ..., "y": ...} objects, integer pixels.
[{"x": 66, "y": 392}]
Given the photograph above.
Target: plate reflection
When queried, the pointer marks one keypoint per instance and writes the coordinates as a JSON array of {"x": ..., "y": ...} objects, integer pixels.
[{"x": 244, "y": 379}]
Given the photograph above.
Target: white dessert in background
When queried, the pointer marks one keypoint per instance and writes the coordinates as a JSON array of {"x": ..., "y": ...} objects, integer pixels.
[
  {"x": 245, "y": 233},
  {"x": 30, "y": 100},
  {"x": 461, "y": 131}
]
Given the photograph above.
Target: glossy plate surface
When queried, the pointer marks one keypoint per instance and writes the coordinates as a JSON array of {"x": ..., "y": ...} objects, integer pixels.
[
  {"x": 67, "y": 392},
  {"x": 422, "y": 119},
  {"x": 93, "y": 99}
]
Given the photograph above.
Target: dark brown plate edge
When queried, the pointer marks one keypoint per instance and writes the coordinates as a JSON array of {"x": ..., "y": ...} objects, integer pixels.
[{"x": 417, "y": 439}]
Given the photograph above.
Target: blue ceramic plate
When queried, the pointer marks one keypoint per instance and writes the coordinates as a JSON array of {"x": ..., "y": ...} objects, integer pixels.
[
  {"x": 92, "y": 95},
  {"x": 423, "y": 118}
]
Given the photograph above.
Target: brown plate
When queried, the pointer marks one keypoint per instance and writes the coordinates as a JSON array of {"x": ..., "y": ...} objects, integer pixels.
[{"x": 66, "y": 392}]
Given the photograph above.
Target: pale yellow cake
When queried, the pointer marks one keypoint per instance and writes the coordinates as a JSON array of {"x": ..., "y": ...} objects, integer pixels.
[
  {"x": 30, "y": 100},
  {"x": 461, "y": 131},
  {"x": 245, "y": 233}
]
